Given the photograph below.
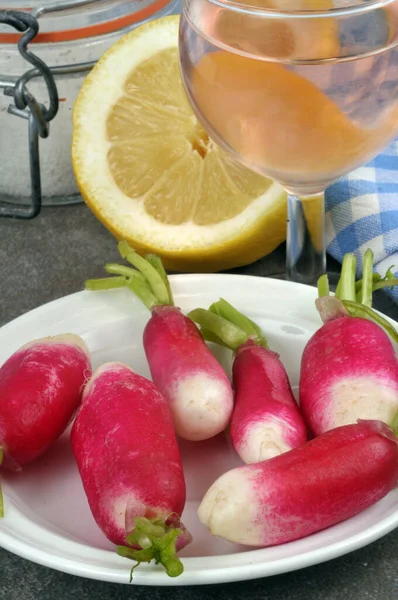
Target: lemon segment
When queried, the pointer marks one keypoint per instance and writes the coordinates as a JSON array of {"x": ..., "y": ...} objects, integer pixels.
[{"x": 150, "y": 174}]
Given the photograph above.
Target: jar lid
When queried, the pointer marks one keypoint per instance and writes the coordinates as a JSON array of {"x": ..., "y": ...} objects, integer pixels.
[{"x": 66, "y": 20}]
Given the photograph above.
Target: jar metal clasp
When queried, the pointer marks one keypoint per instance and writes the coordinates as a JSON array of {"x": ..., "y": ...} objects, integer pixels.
[{"x": 27, "y": 107}]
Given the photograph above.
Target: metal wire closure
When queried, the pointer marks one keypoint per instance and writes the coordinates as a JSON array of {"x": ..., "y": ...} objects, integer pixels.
[
  {"x": 60, "y": 6},
  {"x": 27, "y": 107},
  {"x": 25, "y": 104}
]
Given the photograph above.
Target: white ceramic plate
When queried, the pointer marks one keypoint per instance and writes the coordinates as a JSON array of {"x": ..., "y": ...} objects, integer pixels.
[{"x": 47, "y": 517}]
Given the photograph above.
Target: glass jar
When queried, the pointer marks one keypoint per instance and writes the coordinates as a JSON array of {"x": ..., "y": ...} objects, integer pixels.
[{"x": 72, "y": 37}]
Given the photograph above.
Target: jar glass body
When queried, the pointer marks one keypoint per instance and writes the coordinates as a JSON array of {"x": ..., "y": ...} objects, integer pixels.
[{"x": 57, "y": 177}]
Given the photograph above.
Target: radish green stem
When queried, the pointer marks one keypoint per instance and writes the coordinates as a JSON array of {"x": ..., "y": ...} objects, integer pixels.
[
  {"x": 346, "y": 285},
  {"x": 209, "y": 336},
  {"x": 338, "y": 288},
  {"x": 152, "y": 276},
  {"x": 122, "y": 270},
  {"x": 158, "y": 543},
  {"x": 230, "y": 333},
  {"x": 379, "y": 282},
  {"x": 142, "y": 290},
  {"x": 225, "y": 325},
  {"x": 1, "y": 492},
  {"x": 106, "y": 283},
  {"x": 226, "y": 310},
  {"x": 358, "y": 284},
  {"x": 157, "y": 264},
  {"x": 367, "y": 279},
  {"x": 385, "y": 283},
  {"x": 355, "y": 296},
  {"x": 389, "y": 274},
  {"x": 358, "y": 310},
  {"x": 148, "y": 280},
  {"x": 323, "y": 286}
]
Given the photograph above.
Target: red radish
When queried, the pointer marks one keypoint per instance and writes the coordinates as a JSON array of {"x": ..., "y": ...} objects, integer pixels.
[
  {"x": 40, "y": 390},
  {"x": 329, "y": 479},
  {"x": 182, "y": 366},
  {"x": 266, "y": 420},
  {"x": 129, "y": 461},
  {"x": 349, "y": 370},
  {"x": 184, "y": 369}
]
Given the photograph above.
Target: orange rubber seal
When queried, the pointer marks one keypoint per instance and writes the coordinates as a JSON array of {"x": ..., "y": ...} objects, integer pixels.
[{"x": 69, "y": 35}]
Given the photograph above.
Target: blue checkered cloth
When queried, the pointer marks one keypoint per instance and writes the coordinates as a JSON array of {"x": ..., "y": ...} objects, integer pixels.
[{"x": 362, "y": 212}]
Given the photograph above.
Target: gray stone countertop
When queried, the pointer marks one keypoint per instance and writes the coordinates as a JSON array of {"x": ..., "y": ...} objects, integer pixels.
[{"x": 50, "y": 257}]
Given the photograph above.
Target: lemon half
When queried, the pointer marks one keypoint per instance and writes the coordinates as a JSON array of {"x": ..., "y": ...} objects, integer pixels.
[{"x": 151, "y": 175}]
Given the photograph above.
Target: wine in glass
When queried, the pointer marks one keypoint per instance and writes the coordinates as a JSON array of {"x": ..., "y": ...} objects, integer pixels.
[{"x": 302, "y": 91}]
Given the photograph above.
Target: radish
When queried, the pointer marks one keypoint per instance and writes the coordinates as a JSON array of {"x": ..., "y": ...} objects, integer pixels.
[
  {"x": 327, "y": 480},
  {"x": 349, "y": 369},
  {"x": 129, "y": 462},
  {"x": 181, "y": 365},
  {"x": 40, "y": 389},
  {"x": 266, "y": 420}
]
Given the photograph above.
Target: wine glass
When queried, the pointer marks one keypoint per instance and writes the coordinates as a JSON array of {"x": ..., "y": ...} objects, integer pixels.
[{"x": 301, "y": 91}]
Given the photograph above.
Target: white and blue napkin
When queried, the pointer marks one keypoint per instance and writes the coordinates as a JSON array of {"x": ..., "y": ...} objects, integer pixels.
[{"x": 362, "y": 212}]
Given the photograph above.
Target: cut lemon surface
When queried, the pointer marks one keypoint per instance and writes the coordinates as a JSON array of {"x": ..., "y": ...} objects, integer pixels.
[{"x": 149, "y": 172}]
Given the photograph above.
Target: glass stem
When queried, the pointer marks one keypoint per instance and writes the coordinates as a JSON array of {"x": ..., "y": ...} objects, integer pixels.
[{"x": 305, "y": 239}]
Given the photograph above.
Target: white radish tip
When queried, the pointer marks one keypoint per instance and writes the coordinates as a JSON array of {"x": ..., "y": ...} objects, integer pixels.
[
  {"x": 201, "y": 406},
  {"x": 230, "y": 507},
  {"x": 108, "y": 366},
  {"x": 71, "y": 339}
]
